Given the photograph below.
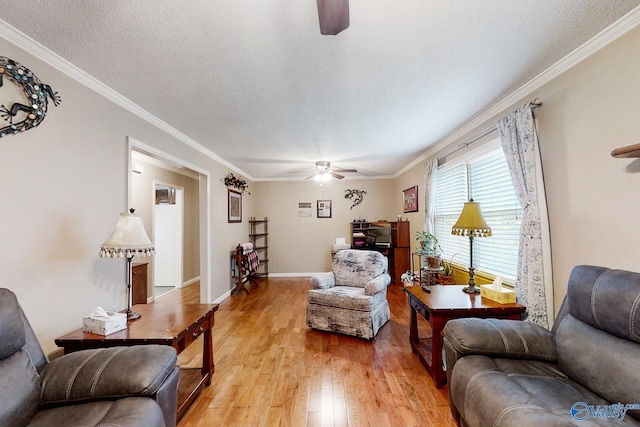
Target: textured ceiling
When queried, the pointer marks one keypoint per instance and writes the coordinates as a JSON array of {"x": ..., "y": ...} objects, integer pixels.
[{"x": 256, "y": 83}]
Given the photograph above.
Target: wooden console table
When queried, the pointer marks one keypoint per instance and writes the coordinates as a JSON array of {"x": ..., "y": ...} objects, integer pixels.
[
  {"x": 439, "y": 306},
  {"x": 177, "y": 325}
]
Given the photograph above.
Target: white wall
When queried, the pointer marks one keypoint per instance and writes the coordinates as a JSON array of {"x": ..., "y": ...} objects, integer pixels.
[
  {"x": 303, "y": 244},
  {"x": 593, "y": 199},
  {"x": 63, "y": 187}
]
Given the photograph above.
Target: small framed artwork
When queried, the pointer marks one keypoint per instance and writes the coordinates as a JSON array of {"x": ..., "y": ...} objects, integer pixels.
[
  {"x": 235, "y": 205},
  {"x": 324, "y": 208},
  {"x": 410, "y": 199}
]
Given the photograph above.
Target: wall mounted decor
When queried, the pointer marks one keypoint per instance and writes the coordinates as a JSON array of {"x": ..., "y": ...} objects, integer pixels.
[
  {"x": 324, "y": 208},
  {"x": 234, "y": 206},
  {"x": 410, "y": 199},
  {"x": 236, "y": 182},
  {"x": 356, "y": 195},
  {"x": 34, "y": 104}
]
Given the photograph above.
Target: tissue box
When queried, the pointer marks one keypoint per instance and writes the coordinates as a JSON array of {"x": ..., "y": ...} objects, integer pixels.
[
  {"x": 503, "y": 296},
  {"x": 105, "y": 325}
]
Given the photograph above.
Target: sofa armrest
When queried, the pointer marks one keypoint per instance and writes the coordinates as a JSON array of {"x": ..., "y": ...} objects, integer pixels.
[
  {"x": 501, "y": 338},
  {"x": 107, "y": 373},
  {"x": 377, "y": 284},
  {"x": 323, "y": 280}
]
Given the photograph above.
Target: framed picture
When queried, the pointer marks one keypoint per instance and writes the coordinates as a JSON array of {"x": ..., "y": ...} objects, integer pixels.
[
  {"x": 235, "y": 205},
  {"x": 324, "y": 208},
  {"x": 410, "y": 199}
]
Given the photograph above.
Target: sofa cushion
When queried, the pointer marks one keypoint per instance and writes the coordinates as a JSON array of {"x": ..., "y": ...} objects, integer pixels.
[
  {"x": 348, "y": 297},
  {"x": 99, "y": 373},
  {"x": 129, "y": 412},
  {"x": 357, "y": 267},
  {"x": 11, "y": 324},
  {"x": 19, "y": 389},
  {"x": 507, "y": 392},
  {"x": 606, "y": 299},
  {"x": 602, "y": 362}
]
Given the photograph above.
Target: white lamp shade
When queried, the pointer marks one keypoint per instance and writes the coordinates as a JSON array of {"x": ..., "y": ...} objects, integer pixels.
[{"x": 128, "y": 240}]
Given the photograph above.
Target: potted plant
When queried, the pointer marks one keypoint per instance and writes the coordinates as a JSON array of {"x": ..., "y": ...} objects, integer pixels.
[
  {"x": 446, "y": 277},
  {"x": 429, "y": 249}
]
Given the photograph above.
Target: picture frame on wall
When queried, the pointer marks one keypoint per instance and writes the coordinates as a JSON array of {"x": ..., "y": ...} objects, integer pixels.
[
  {"x": 324, "y": 208},
  {"x": 234, "y": 205},
  {"x": 410, "y": 199}
]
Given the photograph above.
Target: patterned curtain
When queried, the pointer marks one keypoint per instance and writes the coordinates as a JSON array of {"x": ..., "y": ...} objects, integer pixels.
[
  {"x": 429, "y": 194},
  {"x": 534, "y": 287}
]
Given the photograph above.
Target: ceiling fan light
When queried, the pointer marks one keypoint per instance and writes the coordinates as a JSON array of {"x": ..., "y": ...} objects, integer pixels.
[
  {"x": 318, "y": 177},
  {"x": 326, "y": 177}
]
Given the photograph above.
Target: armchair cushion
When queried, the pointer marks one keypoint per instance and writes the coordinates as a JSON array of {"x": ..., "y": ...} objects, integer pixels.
[
  {"x": 323, "y": 280},
  {"x": 347, "y": 297},
  {"x": 107, "y": 373},
  {"x": 20, "y": 388},
  {"x": 131, "y": 411},
  {"x": 357, "y": 267},
  {"x": 12, "y": 330},
  {"x": 377, "y": 284},
  {"x": 501, "y": 338}
]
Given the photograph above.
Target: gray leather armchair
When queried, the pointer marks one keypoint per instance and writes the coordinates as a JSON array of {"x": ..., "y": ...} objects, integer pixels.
[
  {"x": 585, "y": 371},
  {"x": 119, "y": 386}
]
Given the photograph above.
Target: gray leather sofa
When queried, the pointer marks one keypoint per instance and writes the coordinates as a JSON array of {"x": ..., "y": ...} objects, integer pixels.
[
  {"x": 584, "y": 372},
  {"x": 119, "y": 386}
]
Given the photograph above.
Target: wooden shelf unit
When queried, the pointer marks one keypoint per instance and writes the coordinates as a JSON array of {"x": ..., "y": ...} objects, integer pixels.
[
  {"x": 399, "y": 252},
  {"x": 259, "y": 237}
]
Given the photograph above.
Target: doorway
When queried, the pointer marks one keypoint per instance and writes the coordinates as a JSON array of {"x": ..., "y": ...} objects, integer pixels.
[
  {"x": 168, "y": 226},
  {"x": 148, "y": 166}
]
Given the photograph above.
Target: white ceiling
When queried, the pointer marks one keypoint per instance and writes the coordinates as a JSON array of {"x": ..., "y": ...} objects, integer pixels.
[{"x": 255, "y": 82}]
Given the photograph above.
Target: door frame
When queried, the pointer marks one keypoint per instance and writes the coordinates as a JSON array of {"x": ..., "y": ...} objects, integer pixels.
[{"x": 204, "y": 214}]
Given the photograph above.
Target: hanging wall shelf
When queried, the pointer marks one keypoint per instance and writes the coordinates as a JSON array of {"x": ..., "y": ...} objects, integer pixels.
[{"x": 628, "y": 151}]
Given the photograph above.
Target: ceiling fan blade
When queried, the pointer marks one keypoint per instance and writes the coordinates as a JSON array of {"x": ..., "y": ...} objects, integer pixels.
[
  {"x": 335, "y": 175},
  {"x": 345, "y": 170},
  {"x": 333, "y": 16}
]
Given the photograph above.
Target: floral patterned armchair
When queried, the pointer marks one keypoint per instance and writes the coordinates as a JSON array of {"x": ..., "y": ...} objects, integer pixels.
[{"x": 352, "y": 298}]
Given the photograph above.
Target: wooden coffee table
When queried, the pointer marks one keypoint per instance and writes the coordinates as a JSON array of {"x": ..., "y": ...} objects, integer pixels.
[
  {"x": 443, "y": 303},
  {"x": 177, "y": 325}
]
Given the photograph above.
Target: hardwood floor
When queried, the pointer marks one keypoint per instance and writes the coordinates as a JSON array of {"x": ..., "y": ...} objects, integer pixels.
[{"x": 272, "y": 370}]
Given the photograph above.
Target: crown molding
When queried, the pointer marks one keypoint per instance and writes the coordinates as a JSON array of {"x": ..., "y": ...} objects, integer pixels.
[
  {"x": 599, "y": 41},
  {"x": 593, "y": 45},
  {"x": 21, "y": 40}
]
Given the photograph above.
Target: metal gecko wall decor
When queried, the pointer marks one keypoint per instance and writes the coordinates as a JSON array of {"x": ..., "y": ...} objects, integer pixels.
[
  {"x": 358, "y": 194},
  {"x": 36, "y": 92}
]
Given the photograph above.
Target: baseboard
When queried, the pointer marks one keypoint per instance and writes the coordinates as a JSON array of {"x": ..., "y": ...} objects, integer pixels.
[
  {"x": 223, "y": 297},
  {"x": 293, "y": 274},
  {"x": 190, "y": 281}
]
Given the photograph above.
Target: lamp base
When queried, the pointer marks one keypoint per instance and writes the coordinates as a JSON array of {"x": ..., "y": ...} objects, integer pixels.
[
  {"x": 471, "y": 289},
  {"x": 132, "y": 315}
]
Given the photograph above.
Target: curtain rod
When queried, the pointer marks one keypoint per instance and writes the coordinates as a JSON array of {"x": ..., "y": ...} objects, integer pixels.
[{"x": 535, "y": 104}]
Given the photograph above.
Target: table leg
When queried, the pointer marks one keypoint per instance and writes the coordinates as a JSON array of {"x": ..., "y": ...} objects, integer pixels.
[
  {"x": 207, "y": 355},
  {"x": 413, "y": 329},
  {"x": 439, "y": 376}
]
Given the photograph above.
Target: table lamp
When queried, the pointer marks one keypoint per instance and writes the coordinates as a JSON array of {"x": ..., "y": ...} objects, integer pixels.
[
  {"x": 128, "y": 240},
  {"x": 471, "y": 224}
]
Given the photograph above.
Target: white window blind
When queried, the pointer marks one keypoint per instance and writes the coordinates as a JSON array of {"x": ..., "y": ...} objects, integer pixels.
[{"x": 486, "y": 179}]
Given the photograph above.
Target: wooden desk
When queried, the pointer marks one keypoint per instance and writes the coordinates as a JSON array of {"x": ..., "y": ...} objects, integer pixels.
[
  {"x": 438, "y": 307},
  {"x": 177, "y": 325}
]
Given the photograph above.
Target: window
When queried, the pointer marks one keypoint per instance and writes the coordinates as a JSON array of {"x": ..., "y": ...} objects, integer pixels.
[{"x": 486, "y": 179}]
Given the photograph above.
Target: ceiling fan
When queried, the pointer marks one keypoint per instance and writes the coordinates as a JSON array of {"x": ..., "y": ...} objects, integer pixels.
[
  {"x": 333, "y": 16},
  {"x": 324, "y": 171}
]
